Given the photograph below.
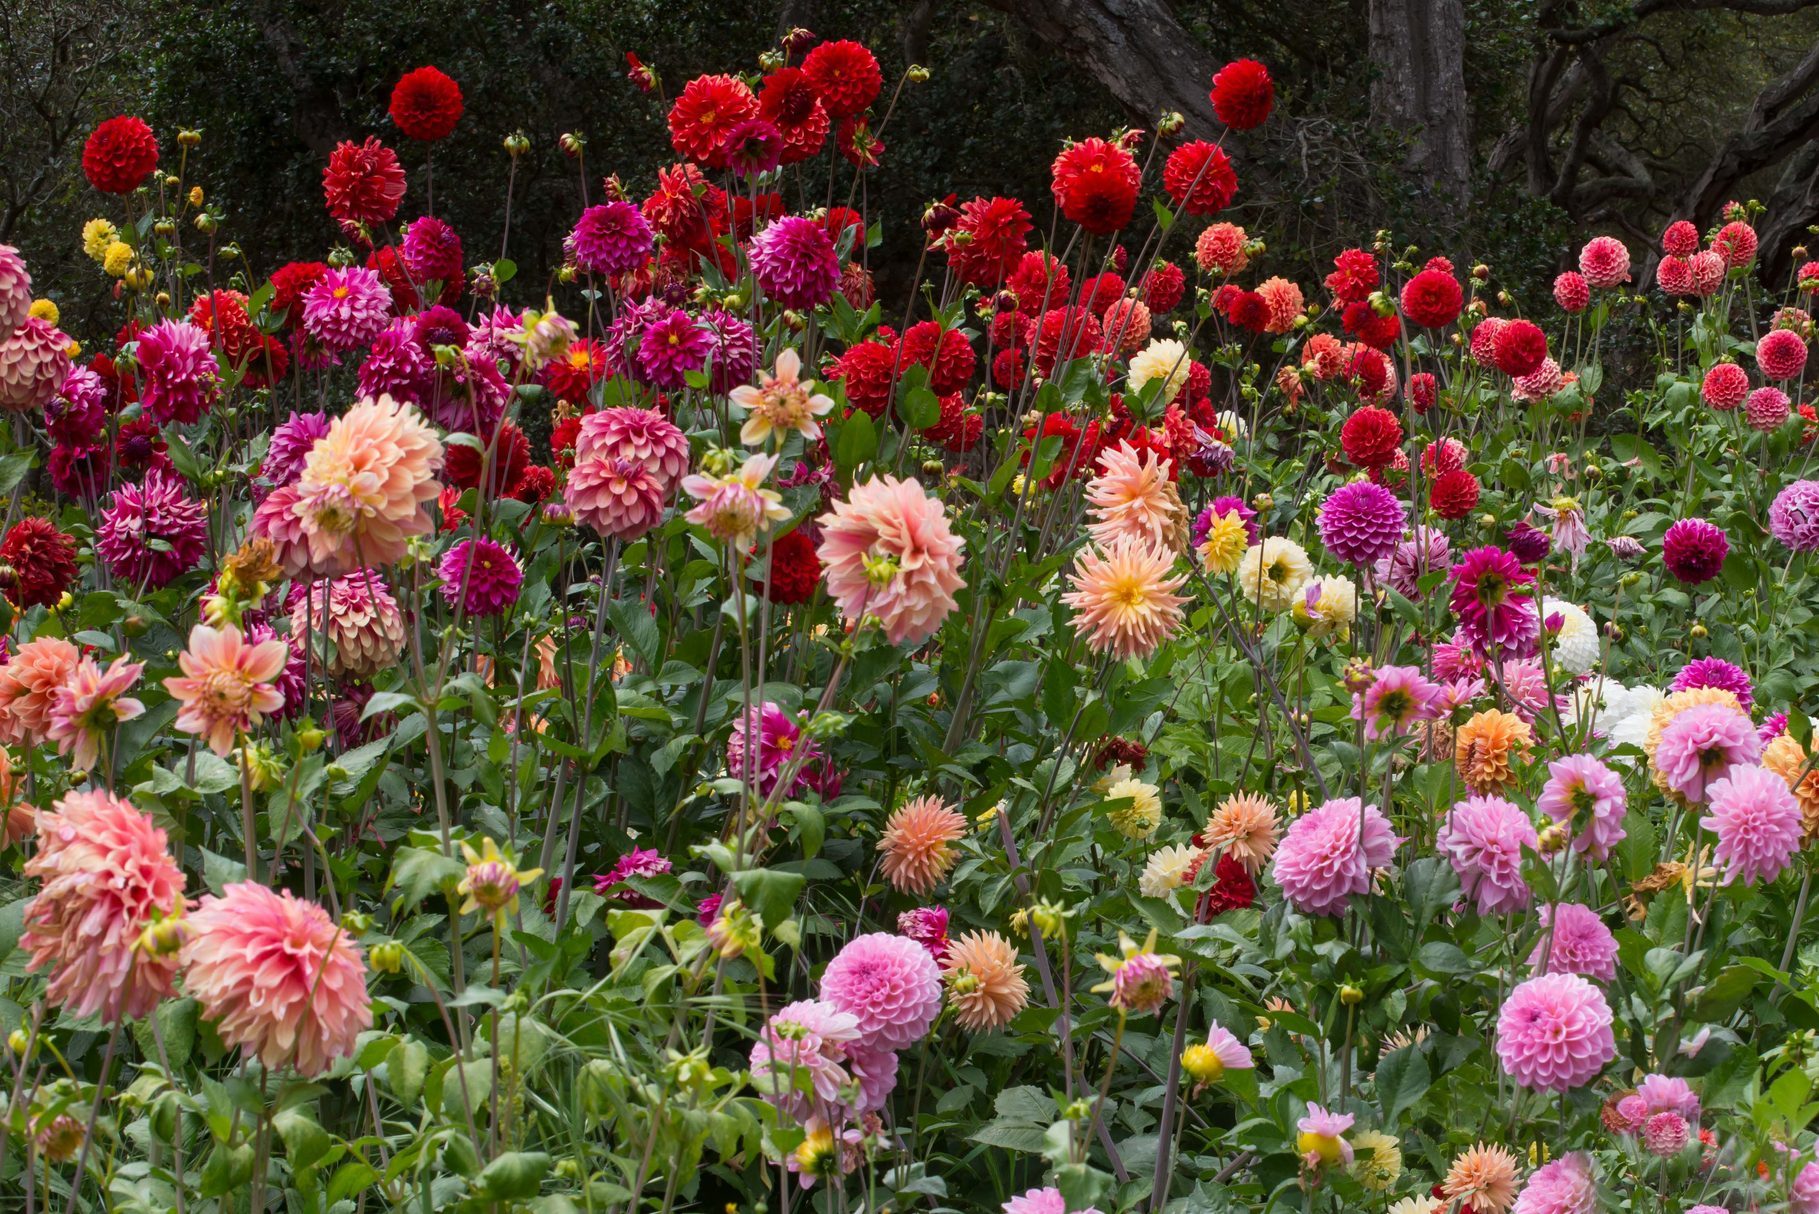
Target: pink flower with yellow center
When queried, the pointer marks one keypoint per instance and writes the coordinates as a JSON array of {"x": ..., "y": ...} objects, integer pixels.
[
  {"x": 1125, "y": 599},
  {"x": 228, "y": 686},
  {"x": 783, "y": 401},
  {"x": 736, "y": 506},
  {"x": 90, "y": 704}
]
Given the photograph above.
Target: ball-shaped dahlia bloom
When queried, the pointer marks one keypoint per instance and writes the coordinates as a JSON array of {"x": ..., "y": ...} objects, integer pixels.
[
  {"x": 1519, "y": 348},
  {"x": 426, "y": 104},
  {"x": 480, "y": 577},
  {"x": 1574, "y": 940},
  {"x": 1694, "y": 550},
  {"x": 1432, "y": 299},
  {"x": 1758, "y": 823},
  {"x": 34, "y": 361},
  {"x": 119, "y": 155},
  {"x": 153, "y": 532},
  {"x": 1482, "y": 838},
  {"x": 1725, "y": 386},
  {"x": 359, "y": 617},
  {"x": 794, "y": 263},
  {"x": 610, "y": 239},
  {"x": 432, "y": 252},
  {"x": 1370, "y": 437},
  {"x": 1554, "y": 1033},
  {"x": 1767, "y": 409},
  {"x": 644, "y": 436},
  {"x": 279, "y": 978},
  {"x": 1793, "y": 518},
  {"x": 889, "y": 984},
  {"x": 1781, "y": 354},
  {"x": 1361, "y": 523},
  {"x": 1564, "y": 1186},
  {"x": 1243, "y": 94},
  {"x": 1200, "y": 178},
  {"x": 1736, "y": 244},
  {"x": 1572, "y": 292},
  {"x": 845, "y": 76},
  {"x": 1680, "y": 239},
  {"x": 106, "y": 874},
  {"x": 889, "y": 552},
  {"x": 1327, "y": 855},
  {"x": 617, "y": 496},
  {"x": 1605, "y": 262}
]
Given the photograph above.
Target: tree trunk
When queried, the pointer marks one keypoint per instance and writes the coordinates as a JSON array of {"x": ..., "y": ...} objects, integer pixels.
[
  {"x": 1135, "y": 48},
  {"x": 1418, "y": 50}
]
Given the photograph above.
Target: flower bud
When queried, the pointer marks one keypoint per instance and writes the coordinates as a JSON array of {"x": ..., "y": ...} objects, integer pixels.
[
  {"x": 387, "y": 956},
  {"x": 917, "y": 74},
  {"x": 1350, "y": 995},
  {"x": 189, "y": 138},
  {"x": 18, "y": 1040}
]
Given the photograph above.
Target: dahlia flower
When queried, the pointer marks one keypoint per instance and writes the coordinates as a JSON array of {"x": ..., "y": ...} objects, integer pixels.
[
  {"x": 228, "y": 686},
  {"x": 1605, "y": 262},
  {"x": 1587, "y": 798},
  {"x": 1273, "y": 573},
  {"x": 37, "y": 563},
  {"x": 889, "y": 984},
  {"x": 803, "y": 1044},
  {"x": 1483, "y": 1178},
  {"x": 1758, "y": 823},
  {"x": 1423, "y": 552},
  {"x": 1328, "y": 853},
  {"x": 1320, "y": 1136},
  {"x": 178, "y": 377},
  {"x": 1492, "y": 603},
  {"x": 1486, "y": 747},
  {"x": 1716, "y": 672},
  {"x": 1573, "y": 644},
  {"x": 15, "y": 289},
  {"x": 1168, "y": 869},
  {"x": 1554, "y": 1033},
  {"x": 278, "y": 976},
  {"x": 1042, "y": 1201},
  {"x": 426, "y": 104},
  {"x": 153, "y": 532},
  {"x": 736, "y": 506},
  {"x": 1693, "y": 550},
  {"x": 1397, "y": 698},
  {"x": 643, "y": 436},
  {"x": 93, "y": 703},
  {"x": 1132, "y": 501},
  {"x": 1781, "y": 353},
  {"x": 985, "y": 983},
  {"x": 917, "y": 846},
  {"x": 794, "y": 263},
  {"x": 1327, "y": 607},
  {"x": 670, "y": 348},
  {"x": 1701, "y": 744},
  {"x": 1244, "y": 827},
  {"x": 889, "y": 552},
  {"x": 618, "y": 497},
  {"x": 1164, "y": 360},
  {"x": 1574, "y": 940},
  {"x": 1141, "y": 978},
  {"x": 1222, "y": 1052},
  {"x": 1793, "y": 518},
  {"x": 345, "y": 308},
  {"x": 119, "y": 154},
  {"x": 357, "y": 614},
  {"x": 782, "y": 402},
  {"x": 1222, "y": 249},
  {"x": 1136, "y": 807},
  {"x": 1095, "y": 184},
  {"x": 362, "y": 183},
  {"x": 1482, "y": 838},
  {"x": 480, "y": 577},
  {"x": 28, "y": 688},
  {"x": 106, "y": 876},
  {"x": 610, "y": 239},
  {"x": 1125, "y": 598},
  {"x": 1361, "y": 523}
]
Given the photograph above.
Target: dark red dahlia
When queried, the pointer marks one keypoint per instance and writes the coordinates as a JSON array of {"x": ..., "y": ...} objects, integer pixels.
[
  {"x": 1077, "y": 454},
  {"x": 845, "y": 75},
  {"x": 78, "y": 470},
  {"x": 1095, "y": 185},
  {"x": 1454, "y": 494},
  {"x": 1520, "y": 348},
  {"x": 795, "y": 570},
  {"x": 1063, "y": 335},
  {"x": 859, "y": 143},
  {"x": 37, "y": 563},
  {"x": 1370, "y": 326},
  {"x": 1368, "y": 370},
  {"x": 1432, "y": 299},
  {"x": 426, "y": 104},
  {"x": 139, "y": 446},
  {"x": 705, "y": 114},
  {"x": 535, "y": 485},
  {"x": 959, "y": 429},
  {"x": 1370, "y": 437},
  {"x": 1163, "y": 286},
  {"x": 1248, "y": 310},
  {"x": 866, "y": 372},
  {"x": 1243, "y": 94},
  {"x": 363, "y": 183},
  {"x": 1114, "y": 750},
  {"x": 1100, "y": 292},
  {"x": 1423, "y": 391},
  {"x": 511, "y": 456},
  {"x": 1009, "y": 368},
  {"x": 289, "y": 282},
  {"x": 1233, "y": 889},
  {"x": 946, "y": 353},
  {"x": 119, "y": 155},
  {"x": 1694, "y": 550},
  {"x": 1200, "y": 178}
]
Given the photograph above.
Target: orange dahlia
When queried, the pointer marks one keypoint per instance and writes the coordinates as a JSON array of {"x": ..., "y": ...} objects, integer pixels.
[
  {"x": 918, "y": 844},
  {"x": 985, "y": 984},
  {"x": 1125, "y": 600},
  {"x": 1484, "y": 747},
  {"x": 1244, "y": 826}
]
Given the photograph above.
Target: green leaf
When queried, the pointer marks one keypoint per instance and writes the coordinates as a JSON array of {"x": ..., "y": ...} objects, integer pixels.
[
  {"x": 13, "y": 467},
  {"x": 226, "y": 1169},
  {"x": 417, "y": 872},
  {"x": 855, "y": 441},
  {"x": 305, "y": 1141},
  {"x": 1402, "y": 1079},
  {"x": 513, "y": 1176},
  {"x": 1725, "y": 994},
  {"x": 504, "y": 270},
  {"x": 405, "y": 1070},
  {"x": 772, "y": 894}
]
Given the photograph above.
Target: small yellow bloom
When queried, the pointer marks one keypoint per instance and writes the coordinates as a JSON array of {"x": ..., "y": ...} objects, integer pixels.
[
  {"x": 117, "y": 258},
  {"x": 45, "y": 310},
  {"x": 1376, "y": 1160},
  {"x": 195, "y": 196},
  {"x": 97, "y": 236},
  {"x": 493, "y": 880}
]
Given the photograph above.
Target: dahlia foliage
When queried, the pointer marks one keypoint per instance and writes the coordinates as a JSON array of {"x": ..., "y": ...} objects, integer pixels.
[{"x": 1131, "y": 724}]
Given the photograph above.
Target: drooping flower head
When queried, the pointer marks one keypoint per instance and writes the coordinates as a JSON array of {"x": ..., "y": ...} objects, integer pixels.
[
  {"x": 1320, "y": 1136},
  {"x": 889, "y": 552},
  {"x": 736, "y": 506},
  {"x": 280, "y": 978},
  {"x": 1141, "y": 978},
  {"x": 91, "y": 705},
  {"x": 106, "y": 876}
]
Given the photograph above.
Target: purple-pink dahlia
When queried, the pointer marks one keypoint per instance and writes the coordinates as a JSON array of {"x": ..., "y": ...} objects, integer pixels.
[
  {"x": 1328, "y": 853},
  {"x": 1491, "y": 599},
  {"x": 671, "y": 348},
  {"x": 177, "y": 372},
  {"x": 798, "y": 1063},
  {"x": 1793, "y": 518},
  {"x": 432, "y": 252},
  {"x": 1575, "y": 941},
  {"x": 346, "y": 308},
  {"x": 890, "y": 983},
  {"x": 1482, "y": 838},
  {"x": 794, "y": 262},
  {"x": 1716, "y": 672},
  {"x": 1423, "y": 552},
  {"x": 1694, "y": 550},
  {"x": 1220, "y": 507},
  {"x": 733, "y": 350},
  {"x": 290, "y": 443},
  {"x": 1361, "y": 523},
  {"x": 610, "y": 239},
  {"x": 153, "y": 532},
  {"x": 481, "y": 577},
  {"x": 396, "y": 364}
]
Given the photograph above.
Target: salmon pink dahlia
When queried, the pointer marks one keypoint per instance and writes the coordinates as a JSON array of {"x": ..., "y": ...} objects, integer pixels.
[
  {"x": 1095, "y": 184},
  {"x": 1124, "y": 599},
  {"x": 889, "y": 552},
  {"x": 119, "y": 155},
  {"x": 15, "y": 289},
  {"x": 890, "y": 984},
  {"x": 1767, "y": 409},
  {"x": 280, "y": 978},
  {"x": 985, "y": 982},
  {"x": 1243, "y": 94},
  {"x": 107, "y": 875},
  {"x": 28, "y": 688},
  {"x": 228, "y": 686},
  {"x": 363, "y": 183},
  {"x": 1554, "y": 1033},
  {"x": 644, "y": 436},
  {"x": 1781, "y": 354},
  {"x": 917, "y": 846},
  {"x": 1132, "y": 500},
  {"x": 34, "y": 362},
  {"x": 1725, "y": 386},
  {"x": 426, "y": 104}
]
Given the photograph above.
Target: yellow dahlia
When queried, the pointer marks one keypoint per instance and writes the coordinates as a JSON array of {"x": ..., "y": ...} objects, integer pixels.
[
  {"x": 1225, "y": 544},
  {"x": 1139, "y": 819}
]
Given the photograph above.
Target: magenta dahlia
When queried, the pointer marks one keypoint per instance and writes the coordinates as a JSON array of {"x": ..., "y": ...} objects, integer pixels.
[
  {"x": 1361, "y": 523},
  {"x": 153, "y": 532},
  {"x": 1694, "y": 550},
  {"x": 1491, "y": 599},
  {"x": 480, "y": 576},
  {"x": 794, "y": 262}
]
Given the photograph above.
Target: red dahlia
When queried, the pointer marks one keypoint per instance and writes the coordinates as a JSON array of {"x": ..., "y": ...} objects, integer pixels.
[
  {"x": 1248, "y": 310},
  {"x": 363, "y": 182},
  {"x": 1371, "y": 327},
  {"x": 1100, "y": 292},
  {"x": 426, "y": 104},
  {"x": 958, "y": 430},
  {"x": 859, "y": 143},
  {"x": 1520, "y": 348},
  {"x": 1163, "y": 286},
  {"x": 795, "y": 570},
  {"x": 987, "y": 241},
  {"x": 536, "y": 484},
  {"x": 569, "y": 377},
  {"x": 1095, "y": 184},
  {"x": 1040, "y": 282},
  {"x": 705, "y": 114},
  {"x": 37, "y": 563},
  {"x": 1233, "y": 889},
  {"x": 865, "y": 371},
  {"x": 1371, "y": 437},
  {"x": 1008, "y": 369},
  {"x": 1423, "y": 391},
  {"x": 788, "y": 101},
  {"x": 1354, "y": 276},
  {"x": 845, "y": 76},
  {"x": 682, "y": 204},
  {"x": 562, "y": 438},
  {"x": 289, "y": 282},
  {"x": 1432, "y": 299},
  {"x": 1063, "y": 335},
  {"x": 1200, "y": 178},
  {"x": 1454, "y": 494},
  {"x": 1243, "y": 94},
  {"x": 119, "y": 155},
  {"x": 511, "y": 456},
  {"x": 946, "y": 353}
]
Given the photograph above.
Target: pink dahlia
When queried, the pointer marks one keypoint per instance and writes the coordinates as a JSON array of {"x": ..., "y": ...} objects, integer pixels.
[
  {"x": 617, "y": 496},
  {"x": 397, "y": 364},
  {"x": 1668, "y": 1094},
  {"x": 1725, "y": 386},
  {"x": 290, "y": 442},
  {"x": 1680, "y": 239},
  {"x": 1693, "y": 550},
  {"x": 1124, "y": 599},
  {"x": 644, "y": 436},
  {"x": 87, "y": 709},
  {"x": 1705, "y": 273},
  {"x": 1781, "y": 354},
  {"x": 1574, "y": 940},
  {"x": 1587, "y": 798},
  {"x": 610, "y": 239},
  {"x": 1572, "y": 292},
  {"x": 1493, "y": 605},
  {"x": 1398, "y": 698},
  {"x": 1665, "y": 1135},
  {"x": 1736, "y": 244},
  {"x": 890, "y": 984},
  {"x": 1564, "y": 1186},
  {"x": 733, "y": 350},
  {"x": 480, "y": 577},
  {"x": 1716, "y": 672},
  {"x": 15, "y": 289},
  {"x": 875, "y": 1069},
  {"x": 1605, "y": 262},
  {"x": 106, "y": 876},
  {"x": 1141, "y": 984},
  {"x": 346, "y": 308},
  {"x": 228, "y": 685},
  {"x": 889, "y": 552},
  {"x": 1423, "y": 552},
  {"x": 1482, "y": 838},
  {"x": 153, "y": 532},
  {"x": 1328, "y": 854},
  {"x": 671, "y": 347},
  {"x": 359, "y": 618},
  {"x": 33, "y": 363},
  {"x": 1042, "y": 1201},
  {"x": 761, "y": 746},
  {"x": 927, "y": 926},
  {"x": 1702, "y": 744},
  {"x": 432, "y": 252},
  {"x": 278, "y": 976},
  {"x": 1757, "y": 820},
  {"x": 1767, "y": 409},
  {"x": 1554, "y": 1033},
  {"x": 1793, "y": 518},
  {"x": 794, "y": 262},
  {"x": 798, "y": 1063},
  {"x": 1361, "y": 523},
  {"x": 78, "y": 412}
]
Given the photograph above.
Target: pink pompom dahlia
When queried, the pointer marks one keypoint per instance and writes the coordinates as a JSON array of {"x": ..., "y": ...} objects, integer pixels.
[
  {"x": 794, "y": 262},
  {"x": 1564, "y": 1186},
  {"x": 278, "y": 976},
  {"x": 1574, "y": 940},
  {"x": 1328, "y": 853},
  {"x": 1694, "y": 550},
  {"x": 107, "y": 875},
  {"x": 1554, "y": 1033},
  {"x": 1758, "y": 823},
  {"x": 891, "y": 986},
  {"x": 1482, "y": 838}
]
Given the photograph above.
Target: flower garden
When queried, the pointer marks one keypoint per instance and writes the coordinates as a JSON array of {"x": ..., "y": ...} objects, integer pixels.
[{"x": 1096, "y": 729}]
